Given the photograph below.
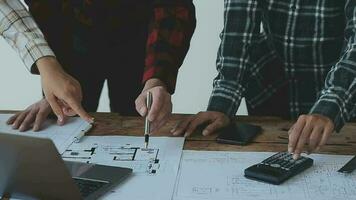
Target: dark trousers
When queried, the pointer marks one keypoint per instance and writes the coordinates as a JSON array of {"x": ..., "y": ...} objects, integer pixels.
[{"x": 121, "y": 65}]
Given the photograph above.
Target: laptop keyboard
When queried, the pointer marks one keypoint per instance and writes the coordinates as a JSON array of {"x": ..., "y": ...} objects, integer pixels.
[{"x": 87, "y": 186}]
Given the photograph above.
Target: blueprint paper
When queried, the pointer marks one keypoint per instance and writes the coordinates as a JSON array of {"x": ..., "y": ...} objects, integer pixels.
[
  {"x": 62, "y": 136},
  {"x": 208, "y": 175},
  {"x": 154, "y": 169}
]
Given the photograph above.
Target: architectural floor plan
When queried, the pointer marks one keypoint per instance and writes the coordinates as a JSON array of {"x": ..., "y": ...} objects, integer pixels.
[
  {"x": 140, "y": 159},
  {"x": 151, "y": 167}
]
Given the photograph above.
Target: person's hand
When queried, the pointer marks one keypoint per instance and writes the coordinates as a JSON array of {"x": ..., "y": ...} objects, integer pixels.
[
  {"x": 33, "y": 117},
  {"x": 309, "y": 133},
  {"x": 161, "y": 107},
  {"x": 215, "y": 121},
  {"x": 62, "y": 91}
]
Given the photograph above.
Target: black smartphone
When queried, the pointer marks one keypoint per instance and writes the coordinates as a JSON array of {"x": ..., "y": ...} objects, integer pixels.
[{"x": 238, "y": 133}]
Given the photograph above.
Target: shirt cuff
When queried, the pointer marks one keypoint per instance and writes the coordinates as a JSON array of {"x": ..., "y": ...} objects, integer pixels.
[
  {"x": 331, "y": 110},
  {"x": 34, "y": 50},
  {"x": 225, "y": 101},
  {"x": 167, "y": 76}
]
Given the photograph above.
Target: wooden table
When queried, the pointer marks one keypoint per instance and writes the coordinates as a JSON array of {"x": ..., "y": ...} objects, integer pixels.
[{"x": 273, "y": 138}]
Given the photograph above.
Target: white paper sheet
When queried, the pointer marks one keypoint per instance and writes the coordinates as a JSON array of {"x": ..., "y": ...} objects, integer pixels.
[
  {"x": 154, "y": 170},
  {"x": 219, "y": 175},
  {"x": 62, "y": 136}
]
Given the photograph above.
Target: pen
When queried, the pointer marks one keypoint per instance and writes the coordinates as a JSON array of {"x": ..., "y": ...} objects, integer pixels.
[
  {"x": 147, "y": 122},
  {"x": 81, "y": 134}
]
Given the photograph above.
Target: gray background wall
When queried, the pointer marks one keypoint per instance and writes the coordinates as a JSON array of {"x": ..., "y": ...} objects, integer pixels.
[{"x": 18, "y": 88}]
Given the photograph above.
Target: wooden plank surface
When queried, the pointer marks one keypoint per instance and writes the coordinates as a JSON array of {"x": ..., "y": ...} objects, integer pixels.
[{"x": 273, "y": 138}]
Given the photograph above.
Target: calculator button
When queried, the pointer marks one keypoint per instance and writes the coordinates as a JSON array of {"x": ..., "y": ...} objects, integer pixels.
[
  {"x": 285, "y": 157},
  {"x": 275, "y": 165},
  {"x": 268, "y": 160},
  {"x": 299, "y": 161},
  {"x": 285, "y": 163}
]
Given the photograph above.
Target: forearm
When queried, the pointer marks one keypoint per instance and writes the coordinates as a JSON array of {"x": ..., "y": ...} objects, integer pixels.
[
  {"x": 170, "y": 31},
  {"x": 47, "y": 65},
  {"x": 22, "y": 33}
]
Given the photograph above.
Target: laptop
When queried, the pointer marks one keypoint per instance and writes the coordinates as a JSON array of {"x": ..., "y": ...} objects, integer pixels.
[{"x": 32, "y": 168}]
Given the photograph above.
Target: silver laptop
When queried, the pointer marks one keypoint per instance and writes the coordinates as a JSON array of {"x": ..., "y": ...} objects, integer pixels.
[{"x": 31, "y": 168}]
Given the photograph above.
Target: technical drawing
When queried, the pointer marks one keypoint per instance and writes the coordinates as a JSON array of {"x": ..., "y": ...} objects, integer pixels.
[
  {"x": 219, "y": 175},
  {"x": 80, "y": 154},
  {"x": 145, "y": 160},
  {"x": 154, "y": 169},
  {"x": 141, "y": 160}
]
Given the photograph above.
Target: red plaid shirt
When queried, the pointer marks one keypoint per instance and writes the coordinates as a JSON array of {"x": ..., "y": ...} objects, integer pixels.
[{"x": 170, "y": 29}]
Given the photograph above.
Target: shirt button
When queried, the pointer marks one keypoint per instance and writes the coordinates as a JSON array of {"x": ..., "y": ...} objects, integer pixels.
[{"x": 293, "y": 7}]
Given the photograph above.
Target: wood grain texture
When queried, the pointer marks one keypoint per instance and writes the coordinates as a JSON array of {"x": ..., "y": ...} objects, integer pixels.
[{"x": 273, "y": 138}]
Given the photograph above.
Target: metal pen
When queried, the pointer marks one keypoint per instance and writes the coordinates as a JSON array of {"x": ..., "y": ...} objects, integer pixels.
[{"x": 147, "y": 122}]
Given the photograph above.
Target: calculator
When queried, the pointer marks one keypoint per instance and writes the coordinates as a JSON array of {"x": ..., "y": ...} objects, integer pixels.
[{"x": 278, "y": 168}]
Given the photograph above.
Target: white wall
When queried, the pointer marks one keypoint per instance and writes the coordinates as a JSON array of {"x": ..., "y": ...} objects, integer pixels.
[
  {"x": 19, "y": 89},
  {"x": 195, "y": 77}
]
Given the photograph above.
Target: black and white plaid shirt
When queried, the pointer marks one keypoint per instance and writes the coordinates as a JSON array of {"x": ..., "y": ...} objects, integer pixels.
[
  {"x": 315, "y": 42},
  {"x": 22, "y": 33}
]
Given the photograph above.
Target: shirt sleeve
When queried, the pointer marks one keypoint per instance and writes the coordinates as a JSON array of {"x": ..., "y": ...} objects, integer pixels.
[
  {"x": 242, "y": 20},
  {"x": 170, "y": 31},
  {"x": 338, "y": 98},
  {"x": 22, "y": 33}
]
